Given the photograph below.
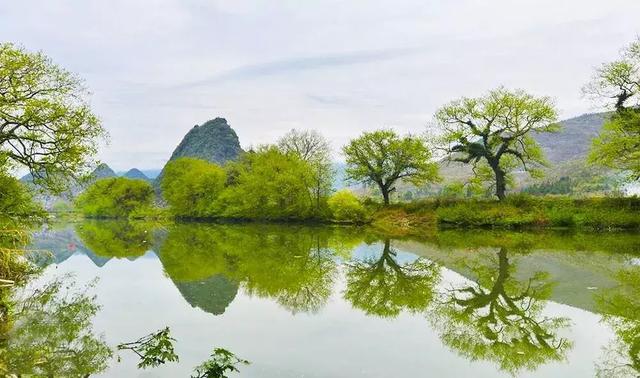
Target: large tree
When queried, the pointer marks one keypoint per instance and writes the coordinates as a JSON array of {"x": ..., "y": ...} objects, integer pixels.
[
  {"x": 46, "y": 124},
  {"x": 312, "y": 147},
  {"x": 618, "y": 83},
  {"x": 494, "y": 132},
  {"x": 382, "y": 158}
]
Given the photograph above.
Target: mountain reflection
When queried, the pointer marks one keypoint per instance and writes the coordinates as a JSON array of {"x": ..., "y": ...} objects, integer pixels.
[{"x": 484, "y": 292}]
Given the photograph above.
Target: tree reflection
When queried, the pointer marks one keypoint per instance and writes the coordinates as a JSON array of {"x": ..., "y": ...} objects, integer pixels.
[
  {"x": 116, "y": 238},
  {"x": 500, "y": 318},
  {"x": 621, "y": 311},
  {"x": 50, "y": 334},
  {"x": 293, "y": 265},
  {"x": 384, "y": 287}
]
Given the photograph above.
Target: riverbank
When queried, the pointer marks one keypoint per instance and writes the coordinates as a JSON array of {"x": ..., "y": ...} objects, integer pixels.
[{"x": 516, "y": 212}]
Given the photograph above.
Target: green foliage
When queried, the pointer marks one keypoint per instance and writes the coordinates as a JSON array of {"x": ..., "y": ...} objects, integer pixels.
[
  {"x": 121, "y": 239},
  {"x": 494, "y": 132},
  {"x": 346, "y": 207},
  {"x": 191, "y": 186},
  {"x": 382, "y": 158},
  {"x": 500, "y": 317},
  {"x": 618, "y": 144},
  {"x": 116, "y": 197},
  {"x": 52, "y": 334},
  {"x": 46, "y": 123},
  {"x": 154, "y": 349},
  {"x": 314, "y": 149},
  {"x": 268, "y": 184},
  {"x": 383, "y": 287},
  {"x": 16, "y": 200},
  {"x": 221, "y": 362}
]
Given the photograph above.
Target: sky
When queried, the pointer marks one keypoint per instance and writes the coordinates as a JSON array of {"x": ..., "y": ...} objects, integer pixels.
[{"x": 156, "y": 68}]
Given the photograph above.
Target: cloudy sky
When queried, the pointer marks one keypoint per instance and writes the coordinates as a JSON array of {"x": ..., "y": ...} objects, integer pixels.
[{"x": 158, "y": 67}]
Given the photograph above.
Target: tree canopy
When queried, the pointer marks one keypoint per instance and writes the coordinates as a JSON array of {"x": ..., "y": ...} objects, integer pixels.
[
  {"x": 190, "y": 186},
  {"x": 382, "y": 158},
  {"x": 618, "y": 83},
  {"x": 46, "y": 124},
  {"x": 494, "y": 133},
  {"x": 116, "y": 197}
]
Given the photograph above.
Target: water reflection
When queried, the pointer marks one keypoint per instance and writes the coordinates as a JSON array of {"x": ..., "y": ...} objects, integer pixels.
[
  {"x": 499, "y": 317},
  {"x": 50, "y": 333},
  {"x": 384, "y": 287},
  {"x": 485, "y": 293}
]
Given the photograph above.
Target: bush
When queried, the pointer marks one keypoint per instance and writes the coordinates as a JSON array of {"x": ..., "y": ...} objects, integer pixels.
[
  {"x": 117, "y": 197},
  {"x": 346, "y": 207}
]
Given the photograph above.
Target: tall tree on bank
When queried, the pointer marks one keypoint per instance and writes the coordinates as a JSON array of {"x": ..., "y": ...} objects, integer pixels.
[
  {"x": 312, "y": 147},
  {"x": 382, "y": 158},
  {"x": 618, "y": 83},
  {"x": 46, "y": 125},
  {"x": 494, "y": 133}
]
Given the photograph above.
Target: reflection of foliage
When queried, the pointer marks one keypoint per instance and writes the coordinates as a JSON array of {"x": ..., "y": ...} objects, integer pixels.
[
  {"x": 212, "y": 295},
  {"x": 294, "y": 265},
  {"x": 115, "y": 238},
  {"x": 154, "y": 349},
  {"x": 384, "y": 287},
  {"x": 221, "y": 362},
  {"x": 51, "y": 334},
  {"x": 621, "y": 307},
  {"x": 499, "y": 319}
]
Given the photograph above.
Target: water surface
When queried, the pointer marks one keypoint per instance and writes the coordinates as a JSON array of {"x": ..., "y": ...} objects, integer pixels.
[{"x": 301, "y": 301}]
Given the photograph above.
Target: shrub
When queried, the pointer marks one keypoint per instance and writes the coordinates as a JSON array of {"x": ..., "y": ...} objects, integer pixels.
[
  {"x": 116, "y": 197},
  {"x": 346, "y": 207}
]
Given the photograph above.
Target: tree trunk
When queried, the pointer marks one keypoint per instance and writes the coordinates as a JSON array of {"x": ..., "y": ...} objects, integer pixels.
[
  {"x": 385, "y": 194},
  {"x": 501, "y": 183}
]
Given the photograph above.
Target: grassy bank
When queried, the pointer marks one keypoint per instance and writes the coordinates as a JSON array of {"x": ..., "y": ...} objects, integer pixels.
[{"x": 514, "y": 213}]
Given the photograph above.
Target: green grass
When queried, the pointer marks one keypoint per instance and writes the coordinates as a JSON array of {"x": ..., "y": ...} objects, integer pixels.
[{"x": 602, "y": 213}]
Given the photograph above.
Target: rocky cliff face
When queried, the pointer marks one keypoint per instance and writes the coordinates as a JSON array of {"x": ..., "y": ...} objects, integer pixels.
[{"x": 214, "y": 141}]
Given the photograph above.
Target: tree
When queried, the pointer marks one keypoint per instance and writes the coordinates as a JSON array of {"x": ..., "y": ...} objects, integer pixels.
[
  {"x": 618, "y": 145},
  {"x": 46, "y": 124},
  {"x": 313, "y": 148},
  {"x": 493, "y": 133},
  {"x": 116, "y": 197},
  {"x": 268, "y": 184},
  {"x": 191, "y": 186},
  {"x": 382, "y": 158}
]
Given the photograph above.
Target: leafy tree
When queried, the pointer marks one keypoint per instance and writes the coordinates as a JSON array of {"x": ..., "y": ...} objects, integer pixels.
[
  {"x": 384, "y": 287},
  {"x": 191, "y": 186},
  {"x": 116, "y": 197},
  {"x": 154, "y": 349},
  {"x": 618, "y": 145},
  {"x": 46, "y": 124},
  {"x": 16, "y": 200},
  {"x": 345, "y": 206},
  {"x": 268, "y": 184},
  {"x": 221, "y": 362},
  {"x": 313, "y": 148},
  {"x": 494, "y": 133},
  {"x": 382, "y": 158}
]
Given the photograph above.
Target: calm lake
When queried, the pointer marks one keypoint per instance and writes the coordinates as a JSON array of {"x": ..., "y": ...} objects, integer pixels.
[{"x": 302, "y": 301}]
